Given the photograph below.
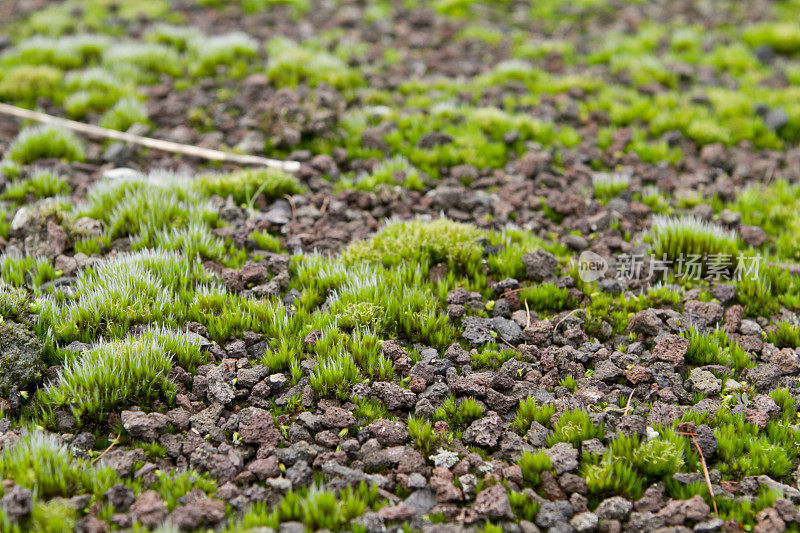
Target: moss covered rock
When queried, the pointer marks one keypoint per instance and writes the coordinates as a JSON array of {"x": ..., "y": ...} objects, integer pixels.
[{"x": 21, "y": 362}]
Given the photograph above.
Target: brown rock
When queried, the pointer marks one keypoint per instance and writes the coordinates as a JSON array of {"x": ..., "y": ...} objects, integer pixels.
[
  {"x": 671, "y": 349},
  {"x": 638, "y": 374},
  {"x": 493, "y": 504},
  {"x": 149, "y": 509},
  {"x": 677, "y": 512},
  {"x": 336, "y": 417},
  {"x": 257, "y": 427}
]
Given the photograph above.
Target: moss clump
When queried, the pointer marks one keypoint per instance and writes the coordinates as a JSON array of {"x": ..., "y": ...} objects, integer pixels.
[
  {"x": 529, "y": 411},
  {"x": 291, "y": 64},
  {"x": 39, "y": 185},
  {"x": 787, "y": 335},
  {"x": 681, "y": 239},
  {"x": 112, "y": 374},
  {"x": 783, "y": 37},
  {"x": 575, "y": 427},
  {"x": 24, "y": 84},
  {"x": 208, "y": 53},
  {"x": 532, "y": 465},
  {"x": 247, "y": 185},
  {"x": 40, "y": 463},
  {"x": 315, "y": 507},
  {"x": 421, "y": 243},
  {"x": 124, "y": 114},
  {"x": 40, "y": 142},
  {"x": 15, "y": 302}
]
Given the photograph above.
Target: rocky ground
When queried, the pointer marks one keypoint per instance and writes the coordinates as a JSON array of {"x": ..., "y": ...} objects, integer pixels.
[{"x": 538, "y": 270}]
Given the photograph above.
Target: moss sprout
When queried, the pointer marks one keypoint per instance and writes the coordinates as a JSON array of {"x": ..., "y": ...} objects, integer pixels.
[{"x": 40, "y": 142}]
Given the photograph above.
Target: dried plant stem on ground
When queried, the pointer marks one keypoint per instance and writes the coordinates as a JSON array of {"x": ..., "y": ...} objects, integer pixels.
[{"x": 156, "y": 144}]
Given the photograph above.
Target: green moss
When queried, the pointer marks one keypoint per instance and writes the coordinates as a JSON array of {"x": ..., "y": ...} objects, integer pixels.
[
  {"x": 395, "y": 171},
  {"x": 529, "y": 411},
  {"x": 787, "y": 335},
  {"x": 524, "y": 507},
  {"x": 458, "y": 415},
  {"x": 40, "y": 463},
  {"x": 111, "y": 375},
  {"x": 609, "y": 185},
  {"x": 39, "y": 185},
  {"x": 744, "y": 450},
  {"x": 27, "y": 271},
  {"x": 783, "y": 37},
  {"x": 422, "y": 434},
  {"x": 680, "y": 238},
  {"x": 142, "y": 288},
  {"x": 25, "y": 84},
  {"x": 315, "y": 507},
  {"x": 208, "y": 53},
  {"x": 291, "y": 64},
  {"x": 532, "y": 466},
  {"x": 15, "y": 302},
  {"x": 547, "y": 297},
  {"x": 492, "y": 356},
  {"x": 247, "y": 185},
  {"x": 40, "y": 142},
  {"x": 143, "y": 61},
  {"x": 420, "y": 243},
  {"x": 124, "y": 114},
  {"x": 174, "y": 485},
  {"x": 266, "y": 241},
  {"x": 575, "y": 427}
]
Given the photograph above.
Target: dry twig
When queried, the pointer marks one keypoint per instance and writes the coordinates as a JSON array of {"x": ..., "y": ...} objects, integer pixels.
[
  {"x": 156, "y": 144},
  {"x": 705, "y": 469},
  {"x": 113, "y": 443}
]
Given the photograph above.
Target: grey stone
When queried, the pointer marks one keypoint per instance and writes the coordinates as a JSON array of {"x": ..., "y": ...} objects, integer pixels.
[
  {"x": 508, "y": 330},
  {"x": 614, "y": 508},
  {"x": 540, "y": 265},
  {"x": 21, "y": 363},
  {"x": 564, "y": 457},
  {"x": 584, "y": 522}
]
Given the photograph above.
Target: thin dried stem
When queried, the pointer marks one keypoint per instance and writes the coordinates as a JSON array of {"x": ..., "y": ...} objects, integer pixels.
[
  {"x": 113, "y": 443},
  {"x": 705, "y": 469},
  {"x": 157, "y": 144}
]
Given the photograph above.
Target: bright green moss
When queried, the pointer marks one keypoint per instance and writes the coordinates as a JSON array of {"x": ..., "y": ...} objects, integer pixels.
[
  {"x": 575, "y": 427},
  {"x": 266, "y": 241},
  {"x": 124, "y": 114},
  {"x": 458, "y": 415},
  {"x": 420, "y": 243},
  {"x": 111, "y": 375},
  {"x": 141, "y": 288},
  {"x": 40, "y": 142},
  {"x": 26, "y": 271},
  {"x": 40, "y": 463},
  {"x": 546, "y": 297},
  {"x": 291, "y": 64},
  {"x": 65, "y": 53},
  {"x": 210, "y": 52},
  {"x": 247, "y": 185},
  {"x": 787, "y": 335},
  {"x": 529, "y": 411},
  {"x": 422, "y": 434},
  {"x": 744, "y": 450},
  {"x": 315, "y": 507},
  {"x": 25, "y": 84},
  {"x": 532, "y": 465},
  {"x": 39, "y": 185},
  {"x": 783, "y": 37},
  {"x": 676, "y": 238}
]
